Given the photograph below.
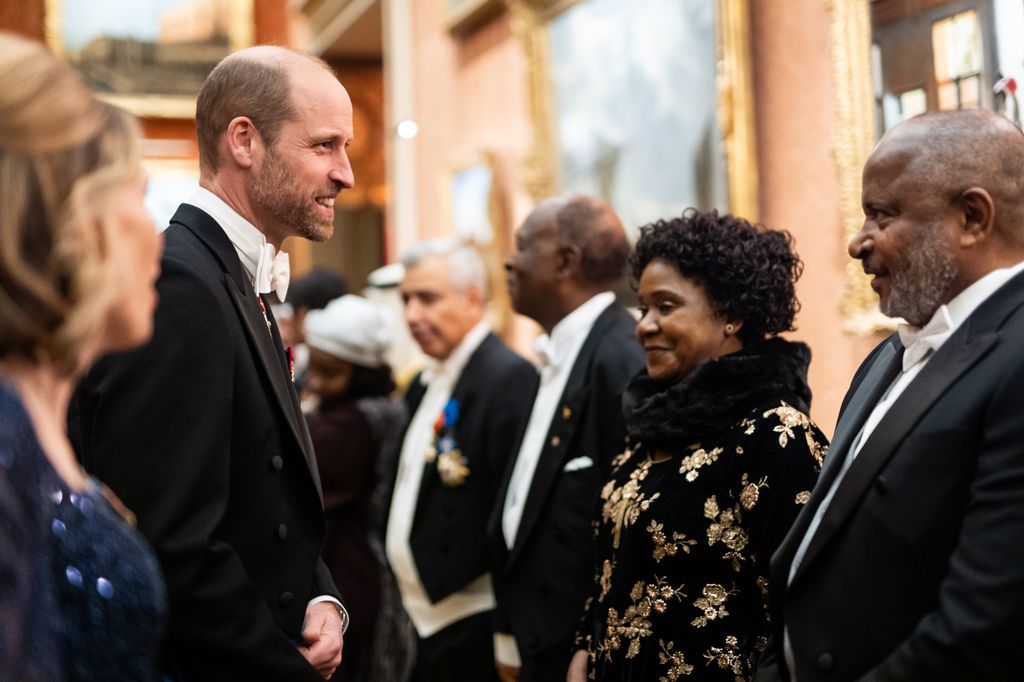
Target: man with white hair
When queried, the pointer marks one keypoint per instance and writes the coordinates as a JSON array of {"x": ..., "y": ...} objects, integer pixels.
[{"x": 466, "y": 408}]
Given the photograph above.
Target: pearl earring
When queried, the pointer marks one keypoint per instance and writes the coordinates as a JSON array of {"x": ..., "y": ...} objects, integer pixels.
[{"x": 729, "y": 329}]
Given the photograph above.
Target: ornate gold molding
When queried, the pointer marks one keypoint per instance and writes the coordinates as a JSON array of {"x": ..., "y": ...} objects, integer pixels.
[
  {"x": 853, "y": 140},
  {"x": 529, "y": 22},
  {"x": 736, "y": 106}
]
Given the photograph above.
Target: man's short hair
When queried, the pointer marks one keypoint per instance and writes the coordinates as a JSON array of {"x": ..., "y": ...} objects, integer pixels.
[
  {"x": 593, "y": 226},
  {"x": 242, "y": 86},
  {"x": 466, "y": 267}
]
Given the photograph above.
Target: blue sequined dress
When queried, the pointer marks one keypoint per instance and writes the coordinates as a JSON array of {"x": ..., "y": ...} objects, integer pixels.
[{"x": 81, "y": 597}]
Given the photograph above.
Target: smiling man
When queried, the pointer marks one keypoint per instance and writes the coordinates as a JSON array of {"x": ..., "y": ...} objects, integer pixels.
[
  {"x": 906, "y": 563},
  {"x": 466, "y": 409},
  {"x": 200, "y": 432}
]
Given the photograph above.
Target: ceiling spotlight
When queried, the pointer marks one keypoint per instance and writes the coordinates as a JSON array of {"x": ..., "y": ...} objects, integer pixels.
[{"x": 407, "y": 129}]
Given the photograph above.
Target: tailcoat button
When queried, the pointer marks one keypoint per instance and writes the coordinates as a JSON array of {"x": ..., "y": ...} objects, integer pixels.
[
  {"x": 826, "y": 662},
  {"x": 282, "y": 531},
  {"x": 285, "y": 599},
  {"x": 276, "y": 462}
]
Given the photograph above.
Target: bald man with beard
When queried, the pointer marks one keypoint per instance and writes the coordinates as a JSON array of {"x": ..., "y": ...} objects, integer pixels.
[{"x": 907, "y": 562}]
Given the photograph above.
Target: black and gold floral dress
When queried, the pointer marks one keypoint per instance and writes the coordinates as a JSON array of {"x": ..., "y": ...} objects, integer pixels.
[{"x": 716, "y": 470}]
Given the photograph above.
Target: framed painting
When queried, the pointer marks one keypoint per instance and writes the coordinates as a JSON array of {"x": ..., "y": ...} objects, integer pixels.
[
  {"x": 149, "y": 56},
  {"x": 665, "y": 124}
]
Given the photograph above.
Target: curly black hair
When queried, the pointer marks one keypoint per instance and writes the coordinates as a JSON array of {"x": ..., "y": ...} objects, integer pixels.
[{"x": 748, "y": 271}]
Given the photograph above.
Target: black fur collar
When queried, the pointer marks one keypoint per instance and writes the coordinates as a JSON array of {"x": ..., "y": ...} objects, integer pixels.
[{"x": 717, "y": 394}]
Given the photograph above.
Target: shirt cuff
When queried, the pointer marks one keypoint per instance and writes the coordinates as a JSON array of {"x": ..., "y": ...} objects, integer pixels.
[
  {"x": 337, "y": 604},
  {"x": 505, "y": 650}
]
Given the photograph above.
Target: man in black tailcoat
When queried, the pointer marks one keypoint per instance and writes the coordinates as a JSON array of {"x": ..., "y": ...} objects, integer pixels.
[{"x": 570, "y": 253}]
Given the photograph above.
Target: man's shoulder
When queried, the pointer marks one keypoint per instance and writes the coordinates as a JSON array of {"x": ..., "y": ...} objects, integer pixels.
[
  {"x": 495, "y": 355},
  {"x": 611, "y": 347}
]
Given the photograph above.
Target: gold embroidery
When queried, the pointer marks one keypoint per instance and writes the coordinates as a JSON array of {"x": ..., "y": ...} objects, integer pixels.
[
  {"x": 674, "y": 660},
  {"x": 623, "y": 505},
  {"x": 634, "y": 624},
  {"x": 621, "y": 459},
  {"x": 606, "y": 579},
  {"x": 726, "y": 657},
  {"x": 818, "y": 450},
  {"x": 751, "y": 491},
  {"x": 748, "y": 424},
  {"x": 701, "y": 457},
  {"x": 725, "y": 529},
  {"x": 762, "y": 584},
  {"x": 664, "y": 548},
  {"x": 711, "y": 604},
  {"x": 739, "y": 450},
  {"x": 803, "y": 496}
]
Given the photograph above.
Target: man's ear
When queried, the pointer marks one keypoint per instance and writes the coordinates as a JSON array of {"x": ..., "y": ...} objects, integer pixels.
[
  {"x": 243, "y": 141},
  {"x": 570, "y": 260},
  {"x": 979, "y": 212}
]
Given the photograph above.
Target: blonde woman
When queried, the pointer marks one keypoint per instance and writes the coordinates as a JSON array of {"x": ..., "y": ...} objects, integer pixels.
[{"x": 81, "y": 596}]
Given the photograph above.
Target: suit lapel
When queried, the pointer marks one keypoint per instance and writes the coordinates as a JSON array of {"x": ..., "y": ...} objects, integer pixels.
[
  {"x": 884, "y": 369},
  {"x": 949, "y": 363},
  {"x": 266, "y": 343},
  {"x": 431, "y": 480}
]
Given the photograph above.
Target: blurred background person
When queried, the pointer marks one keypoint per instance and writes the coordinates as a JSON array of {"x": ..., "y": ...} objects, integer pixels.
[
  {"x": 720, "y": 457},
  {"x": 466, "y": 409},
  {"x": 354, "y": 422},
  {"x": 570, "y": 252},
  {"x": 81, "y": 597},
  {"x": 312, "y": 291}
]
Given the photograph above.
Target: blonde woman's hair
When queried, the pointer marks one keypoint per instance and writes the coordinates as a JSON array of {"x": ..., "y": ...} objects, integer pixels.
[{"x": 62, "y": 156}]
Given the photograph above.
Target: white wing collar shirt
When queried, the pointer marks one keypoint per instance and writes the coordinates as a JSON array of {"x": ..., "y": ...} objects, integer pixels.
[
  {"x": 267, "y": 268},
  {"x": 478, "y": 596},
  {"x": 920, "y": 345}
]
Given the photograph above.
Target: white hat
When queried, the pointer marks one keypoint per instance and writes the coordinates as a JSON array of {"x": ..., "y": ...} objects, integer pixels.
[{"x": 351, "y": 328}]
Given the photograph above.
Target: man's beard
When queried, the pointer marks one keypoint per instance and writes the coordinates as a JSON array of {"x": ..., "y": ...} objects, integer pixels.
[
  {"x": 924, "y": 284},
  {"x": 274, "y": 191}
]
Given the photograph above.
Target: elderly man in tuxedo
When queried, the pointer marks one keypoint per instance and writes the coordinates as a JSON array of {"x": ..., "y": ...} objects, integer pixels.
[
  {"x": 199, "y": 431},
  {"x": 570, "y": 253},
  {"x": 907, "y": 563},
  {"x": 465, "y": 410}
]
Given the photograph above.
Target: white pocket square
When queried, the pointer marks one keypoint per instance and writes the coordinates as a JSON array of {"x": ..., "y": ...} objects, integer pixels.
[{"x": 577, "y": 463}]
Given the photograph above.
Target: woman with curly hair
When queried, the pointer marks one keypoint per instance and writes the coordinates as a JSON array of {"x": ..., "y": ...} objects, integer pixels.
[{"x": 720, "y": 456}]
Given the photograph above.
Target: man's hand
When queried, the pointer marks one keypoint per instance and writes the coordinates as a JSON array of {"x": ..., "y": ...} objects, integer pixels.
[
  {"x": 322, "y": 633},
  {"x": 577, "y": 667},
  {"x": 507, "y": 673}
]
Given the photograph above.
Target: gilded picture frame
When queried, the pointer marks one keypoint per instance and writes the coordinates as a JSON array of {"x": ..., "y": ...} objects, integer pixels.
[
  {"x": 151, "y": 56},
  {"x": 734, "y": 105}
]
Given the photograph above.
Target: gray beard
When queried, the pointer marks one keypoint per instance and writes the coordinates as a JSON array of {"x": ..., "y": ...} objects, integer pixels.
[{"x": 924, "y": 285}]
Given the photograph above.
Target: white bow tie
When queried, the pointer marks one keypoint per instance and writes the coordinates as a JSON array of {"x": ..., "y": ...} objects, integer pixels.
[
  {"x": 272, "y": 271},
  {"x": 920, "y": 341}
]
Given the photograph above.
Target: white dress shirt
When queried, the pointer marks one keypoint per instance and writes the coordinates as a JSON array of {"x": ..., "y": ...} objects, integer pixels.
[
  {"x": 925, "y": 342},
  {"x": 248, "y": 241},
  {"x": 478, "y": 596},
  {"x": 557, "y": 355}
]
